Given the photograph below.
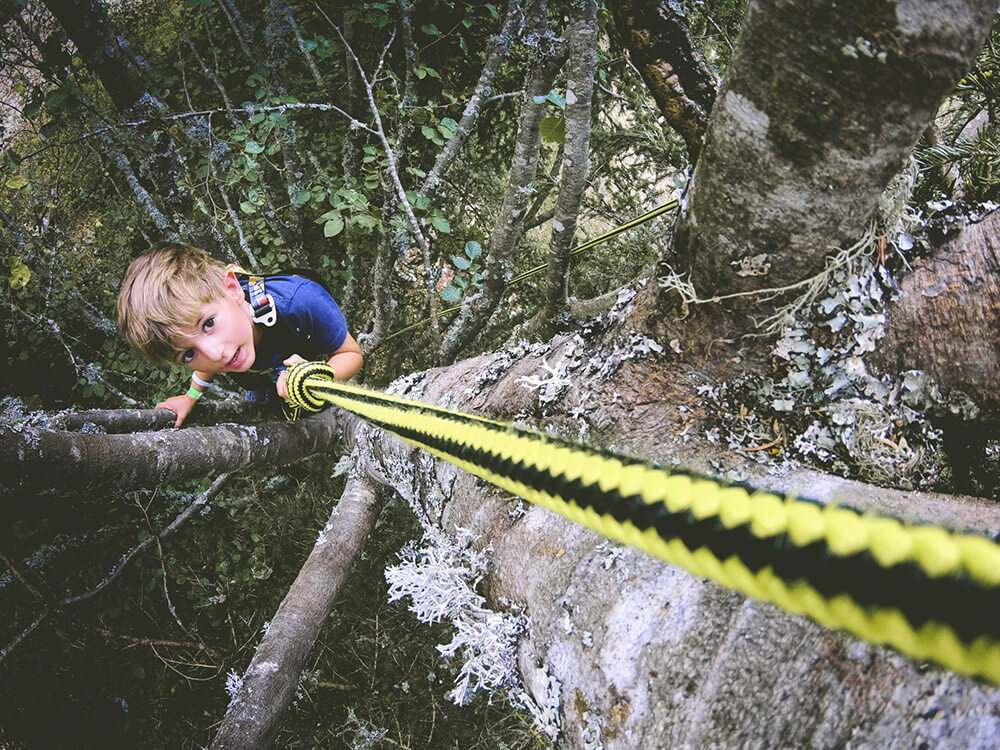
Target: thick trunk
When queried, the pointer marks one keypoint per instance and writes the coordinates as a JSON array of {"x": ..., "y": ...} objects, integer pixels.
[
  {"x": 644, "y": 654},
  {"x": 946, "y": 320},
  {"x": 674, "y": 68},
  {"x": 821, "y": 105}
]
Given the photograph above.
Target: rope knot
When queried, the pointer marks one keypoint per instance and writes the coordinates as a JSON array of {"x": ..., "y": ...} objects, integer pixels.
[{"x": 296, "y": 381}]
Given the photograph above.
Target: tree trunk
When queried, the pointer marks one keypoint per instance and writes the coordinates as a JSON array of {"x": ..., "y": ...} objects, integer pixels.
[
  {"x": 107, "y": 54},
  {"x": 548, "y": 58},
  {"x": 582, "y": 33},
  {"x": 644, "y": 654},
  {"x": 124, "y": 76},
  {"x": 254, "y": 714},
  {"x": 674, "y": 68},
  {"x": 946, "y": 320},
  {"x": 821, "y": 104}
]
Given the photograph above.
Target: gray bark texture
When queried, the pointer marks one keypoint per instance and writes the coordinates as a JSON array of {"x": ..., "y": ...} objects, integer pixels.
[
  {"x": 582, "y": 33},
  {"x": 548, "y": 56},
  {"x": 821, "y": 105},
  {"x": 946, "y": 322},
  {"x": 33, "y": 459},
  {"x": 253, "y": 717},
  {"x": 646, "y": 655}
]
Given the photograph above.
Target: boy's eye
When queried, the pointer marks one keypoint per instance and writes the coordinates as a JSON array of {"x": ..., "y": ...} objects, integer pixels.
[
  {"x": 187, "y": 356},
  {"x": 209, "y": 324}
]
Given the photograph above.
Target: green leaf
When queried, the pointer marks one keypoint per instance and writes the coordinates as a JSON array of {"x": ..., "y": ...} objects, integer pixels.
[
  {"x": 247, "y": 207},
  {"x": 441, "y": 224},
  {"x": 451, "y": 294},
  {"x": 473, "y": 249},
  {"x": 553, "y": 129},
  {"x": 556, "y": 99},
  {"x": 17, "y": 182},
  {"x": 20, "y": 274},
  {"x": 302, "y": 197},
  {"x": 445, "y": 129},
  {"x": 252, "y": 147},
  {"x": 431, "y": 134},
  {"x": 460, "y": 262},
  {"x": 365, "y": 220},
  {"x": 333, "y": 227},
  {"x": 430, "y": 29}
]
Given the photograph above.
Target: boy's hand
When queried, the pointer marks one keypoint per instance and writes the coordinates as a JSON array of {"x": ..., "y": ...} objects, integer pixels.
[
  {"x": 282, "y": 390},
  {"x": 180, "y": 405}
]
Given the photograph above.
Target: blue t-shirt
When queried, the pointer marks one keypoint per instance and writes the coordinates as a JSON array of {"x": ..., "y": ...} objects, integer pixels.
[{"x": 309, "y": 324}]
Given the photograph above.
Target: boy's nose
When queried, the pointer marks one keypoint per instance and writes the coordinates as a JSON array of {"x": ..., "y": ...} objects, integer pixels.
[{"x": 213, "y": 350}]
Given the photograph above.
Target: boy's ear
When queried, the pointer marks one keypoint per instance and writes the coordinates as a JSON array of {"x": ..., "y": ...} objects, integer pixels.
[{"x": 232, "y": 284}]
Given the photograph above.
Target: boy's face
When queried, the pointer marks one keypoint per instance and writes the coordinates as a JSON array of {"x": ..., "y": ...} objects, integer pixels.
[{"x": 225, "y": 336}]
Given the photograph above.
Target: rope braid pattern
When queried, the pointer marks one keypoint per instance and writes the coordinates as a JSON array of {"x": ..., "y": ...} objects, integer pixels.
[{"x": 924, "y": 590}]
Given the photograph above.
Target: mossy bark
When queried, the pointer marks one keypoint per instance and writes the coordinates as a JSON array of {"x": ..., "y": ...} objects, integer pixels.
[{"x": 821, "y": 105}]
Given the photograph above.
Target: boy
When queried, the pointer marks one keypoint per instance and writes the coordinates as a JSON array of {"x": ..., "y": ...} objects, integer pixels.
[{"x": 179, "y": 306}]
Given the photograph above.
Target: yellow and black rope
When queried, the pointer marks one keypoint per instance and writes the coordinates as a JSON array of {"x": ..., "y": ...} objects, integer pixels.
[{"x": 924, "y": 590}]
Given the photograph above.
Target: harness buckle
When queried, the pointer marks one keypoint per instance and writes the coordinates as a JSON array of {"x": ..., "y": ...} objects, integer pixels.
[{"x": 265, "y": 312}]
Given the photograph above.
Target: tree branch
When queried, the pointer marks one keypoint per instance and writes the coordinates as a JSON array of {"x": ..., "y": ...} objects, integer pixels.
[
  {"x": 582, "y": 33},
  {"x": 674, "y": 68},
  {"x": 269, "y": 683},
  {"x": 40, "y": 458},
  {"x": 548, "y": 57}
]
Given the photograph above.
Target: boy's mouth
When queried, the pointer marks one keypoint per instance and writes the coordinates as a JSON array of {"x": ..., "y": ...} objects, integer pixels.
[{"x": 236, "y": 359}]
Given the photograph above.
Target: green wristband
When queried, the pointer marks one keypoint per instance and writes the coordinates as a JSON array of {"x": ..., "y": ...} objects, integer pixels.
[{"x": 194, "y": 393}]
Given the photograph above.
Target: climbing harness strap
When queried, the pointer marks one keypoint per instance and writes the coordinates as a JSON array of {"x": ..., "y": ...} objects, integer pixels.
[
  {"x": 265, "y": 312},
  {"x": 924, "y": 590}
]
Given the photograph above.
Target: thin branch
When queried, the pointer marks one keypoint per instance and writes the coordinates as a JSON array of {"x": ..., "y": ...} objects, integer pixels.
[{"x": 200, "y": 502}]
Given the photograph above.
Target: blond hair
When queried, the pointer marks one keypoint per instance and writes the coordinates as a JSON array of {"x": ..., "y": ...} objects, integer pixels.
[{"x": 162, "y": 297}]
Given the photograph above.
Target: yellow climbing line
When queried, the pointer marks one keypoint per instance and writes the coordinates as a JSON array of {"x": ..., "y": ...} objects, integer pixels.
[
  {"x": 926, "y": 591},
  {"x": 648, "y": 216}
]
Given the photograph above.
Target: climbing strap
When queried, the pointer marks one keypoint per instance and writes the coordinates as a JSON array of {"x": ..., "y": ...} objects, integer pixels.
[
  {"x": 926, "y": 591},
  {"x": 265, "y": 312}
]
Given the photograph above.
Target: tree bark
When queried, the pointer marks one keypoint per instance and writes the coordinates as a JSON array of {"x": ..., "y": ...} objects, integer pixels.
[
  {"x": 674, "y": 68},
  {"x": 34, "y": 459},
  {"x": 107, "y": 54},
  {"x": 582, "y": 33},
  {"x": 548, "y": 58},
  {"x": 946, "y": 320},
  {"x": 254, "y": 714},
  {"x": 645, "y": 654},
  {"x": 821, "y": 104}
]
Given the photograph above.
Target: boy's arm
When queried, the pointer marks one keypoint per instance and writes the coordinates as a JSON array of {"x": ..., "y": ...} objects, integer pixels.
[
  {"x": 182, "y": 405},
  {"x": 346, "y": 362}
]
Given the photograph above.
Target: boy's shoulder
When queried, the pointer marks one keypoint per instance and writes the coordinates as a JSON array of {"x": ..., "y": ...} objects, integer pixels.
[{"x": 295, "y": 294}]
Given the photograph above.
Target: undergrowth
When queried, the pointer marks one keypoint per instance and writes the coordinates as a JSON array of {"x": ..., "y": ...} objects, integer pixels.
[{"x": 146, "y": 661}]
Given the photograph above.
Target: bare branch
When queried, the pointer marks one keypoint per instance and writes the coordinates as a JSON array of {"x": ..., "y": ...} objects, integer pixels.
[{"x": 269, "y": 683}]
